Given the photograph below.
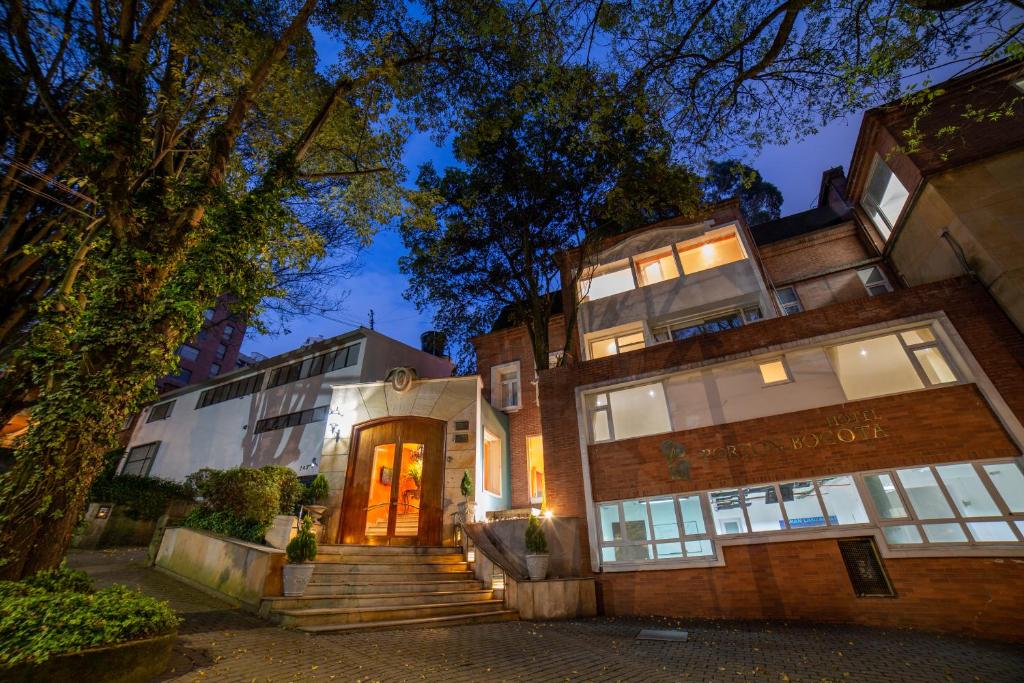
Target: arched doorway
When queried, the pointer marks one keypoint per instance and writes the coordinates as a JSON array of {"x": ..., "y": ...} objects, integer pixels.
[{"x": 394, "y": 485}]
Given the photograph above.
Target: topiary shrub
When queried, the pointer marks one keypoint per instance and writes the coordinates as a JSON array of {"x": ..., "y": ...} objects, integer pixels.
[
  {"x": 303, "y": 547},
  {"x": 536, "y": 541},
  {"x": 467, "y": 484}
]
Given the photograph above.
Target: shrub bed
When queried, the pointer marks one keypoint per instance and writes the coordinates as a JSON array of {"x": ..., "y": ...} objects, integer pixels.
[
  {"x": 58, "y": 612},
  {"x": 143, "y": 497},
  {"x": 241, "y": 502}
]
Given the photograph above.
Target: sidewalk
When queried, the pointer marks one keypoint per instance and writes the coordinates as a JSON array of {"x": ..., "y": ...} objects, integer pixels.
[{"x": 219, "y": 643}]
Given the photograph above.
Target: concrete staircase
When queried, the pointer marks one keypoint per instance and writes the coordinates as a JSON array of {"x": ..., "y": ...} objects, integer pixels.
[{"x": 357, "y": 587}]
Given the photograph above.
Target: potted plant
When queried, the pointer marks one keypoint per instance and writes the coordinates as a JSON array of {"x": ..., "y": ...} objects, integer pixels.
[
  {"x": 467, "y": 508},
  {"x": 536, "y": 550},
  {"x": 301, "y": 552},
  {"x": 315, "y": 494}
]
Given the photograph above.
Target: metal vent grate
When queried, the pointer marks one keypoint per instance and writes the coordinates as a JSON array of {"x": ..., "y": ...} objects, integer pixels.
[{"x": 865, "y": 568}]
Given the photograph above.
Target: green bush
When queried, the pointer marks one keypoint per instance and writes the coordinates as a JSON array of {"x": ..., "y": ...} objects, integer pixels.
[
  {"x": 226, "y": 523},
  {"x": 317, "y": 491},
  {"x": 467, "y": 484},
  {"x": 290, "y": 489},
  {"x": 143, "y": 497},
  {"x": 63, "y": 578},
  {"x": 536, "y": 541},
  {"x": 303, "y": 548}
]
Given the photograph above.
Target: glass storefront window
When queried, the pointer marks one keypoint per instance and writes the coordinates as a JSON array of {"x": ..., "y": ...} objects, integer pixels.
[
  {"x": 763, "y": 508},
  {"x": 945, "y": 533},
  {"x": 902, "y": 534},
  {"x": 924, "y": 493},
  {"x": 634, "y": 514},
  {"x": 991, "y": 532},
  {"x": 842, "y": 500},
  {"x": 611, "y": 526},
  {"x": 801, "y": 503},
  {"x": 885, "y": 496},
  {"x": 693, "y": 520},
  {"x": 1009, "y": 481},
  {"x": 663, "y": 517},
  {"x": 968, "y": 493},
  {"x": 727, "y": 512}
]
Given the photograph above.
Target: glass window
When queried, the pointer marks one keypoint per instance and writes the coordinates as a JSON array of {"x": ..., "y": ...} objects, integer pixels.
[
  {"x": 801, "y": 503},
  {"x": 492, "y": 464},
  {"x": 161, "y": 411},
  {"x": 639, "y": 410},
  {"x": 885, "y": 496},
  {"x": 698, "y": 548},
  {"x": 611, "y": 525},
  {"x": 773, "y": 372},
  {"x": 788, "y": 300},
  {"x": 669, "y": 551},
  {"x": 934, "y": 365},
  {"x": 842, "y": 500},
  {"x": 901, "y": 534},
  {"x": 967, "y": 491},
  {"x": 140, "y": 459},
  {"x": 208, "y": 314},
  {"x": 188, "y": 352},
  {"x": 693, "y": 519},
  {"x": 711, "y": 250},
  {"x": 874, "y": 281},
  {"x": 634, "y": 514},
  {"x": 655, "y": 267},
  {"x": 1009, "y": 481},
  {"x": 619, "y": 344},
  {"x": 925, "y": 495},
  {"x": 874, "y": 367},
  {"x": 945, "y": 533},
  {"x": 214, "y": 369},
  {"x": 663, "y": 518},
  {"x": 727, "y": 513},
  {"x": 608, "y": 283},
  {"x": 884, "y": 197},
  {"x": 991, "y": 532},
  {"x": 505, "y": 386},
  {"x": 221, "y": 350},
  {"x": 921, "y": 335},
  {"x": 229, "y": 331},
  {"x": 763, "y": 508}
]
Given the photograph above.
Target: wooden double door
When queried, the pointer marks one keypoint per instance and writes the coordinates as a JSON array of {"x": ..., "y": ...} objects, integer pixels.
[{"x": 395, "y": 484}]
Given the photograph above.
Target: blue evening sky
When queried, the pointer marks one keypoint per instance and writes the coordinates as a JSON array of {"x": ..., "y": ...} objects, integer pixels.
[{"x": 795, "y": 169}]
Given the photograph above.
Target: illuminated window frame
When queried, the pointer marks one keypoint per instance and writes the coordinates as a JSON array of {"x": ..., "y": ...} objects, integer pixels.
[{"x": 487, "y": 484}]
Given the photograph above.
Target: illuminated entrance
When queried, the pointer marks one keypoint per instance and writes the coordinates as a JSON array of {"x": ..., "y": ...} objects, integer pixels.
[{"x": 394, "y": 483}]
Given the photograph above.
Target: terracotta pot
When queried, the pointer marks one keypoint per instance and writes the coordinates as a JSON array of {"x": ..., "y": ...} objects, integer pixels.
[
  {"x": 537, "y": 566},
  {"x": 296, "y": 577}
]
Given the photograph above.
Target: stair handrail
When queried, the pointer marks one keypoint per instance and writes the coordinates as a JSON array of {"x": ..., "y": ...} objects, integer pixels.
[{"x": 490, "y": 548}]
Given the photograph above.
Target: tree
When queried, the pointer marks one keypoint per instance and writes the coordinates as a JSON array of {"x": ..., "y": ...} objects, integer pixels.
[
  {"x": 760, "y": 200},
  {"x": 555, "y": 157},
  {"x": 163, "y": 153},
  {"x": 743, "y": 73}
]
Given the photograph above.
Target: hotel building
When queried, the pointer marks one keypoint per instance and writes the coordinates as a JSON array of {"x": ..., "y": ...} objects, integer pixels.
[{"x": 815, "y": 418}]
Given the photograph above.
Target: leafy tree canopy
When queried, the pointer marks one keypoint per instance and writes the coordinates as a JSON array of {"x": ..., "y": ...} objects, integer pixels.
[{"x": 760, "y": 200}]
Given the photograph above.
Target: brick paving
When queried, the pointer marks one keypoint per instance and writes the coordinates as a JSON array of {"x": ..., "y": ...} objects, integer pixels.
[{"x": 219, "y": 643}]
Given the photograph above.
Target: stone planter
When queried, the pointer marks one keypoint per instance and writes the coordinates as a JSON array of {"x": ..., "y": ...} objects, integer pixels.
[
  {"x": 537, "y": 566},
  {"x": 315, "y": 511},
  {"x": 296, "y": 577},
  {"x": 467, "y": 510},
  {"x": 136, "y": 661}
]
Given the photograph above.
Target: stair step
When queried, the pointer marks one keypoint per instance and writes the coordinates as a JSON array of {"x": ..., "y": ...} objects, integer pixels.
[
  {"x": 388, "y": 558},
  {"x": 425, "y": 622},
  {"x": 374, "y": 600},
  {"x": 354, "y": 615},
  {"x": 389, "y": 549},
  {"x": 334, "y": 566},
  {"x": 345, "y": 587}
]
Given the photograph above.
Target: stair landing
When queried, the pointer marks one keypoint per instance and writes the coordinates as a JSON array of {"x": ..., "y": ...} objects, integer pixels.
[{"x": 357, "y": 587}]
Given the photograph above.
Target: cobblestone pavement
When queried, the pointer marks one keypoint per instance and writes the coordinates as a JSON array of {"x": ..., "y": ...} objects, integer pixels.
[{"x": 219, "y": 643}]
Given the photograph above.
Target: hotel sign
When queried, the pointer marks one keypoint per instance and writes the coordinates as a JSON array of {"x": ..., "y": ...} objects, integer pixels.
[{"x": 840, "y": 428}]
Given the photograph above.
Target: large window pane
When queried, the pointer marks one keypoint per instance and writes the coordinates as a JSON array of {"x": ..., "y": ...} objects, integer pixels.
[
  {"x": 1009, "y": 481},
  {"x": 656, "y": 267},
  {"x": 698, "y": 548},
  {"x": 663, "y": 515},
  {"x": 885, "y": 496},
  {"x": 801, "y": 504},
  {"x": 635, "y": 525},
  {"x": 607, "y": 284},
  {"x": 693, "y": 519},
  {"x": 925, "y": 496},
  {"x": 669, "y": 551},
  {"x": 884, "y": 197},
  {"x": 991, "y": 532},
  {"x": 934, "y": 365},
  {"x": 763, "y": 508},
  {"x": 611, "y": 527},
  {"x": 842, "y": 501},
  {"x": 727, "y": 513},
  {"x": 710, "y": 251},
  {"x": 968, "y": 493},
  {"x": 874, "y": 367},
  {"x": 905, "y": 533},
  {"x": 945, "y": 533},
  {"x": 639, "y": 410}
]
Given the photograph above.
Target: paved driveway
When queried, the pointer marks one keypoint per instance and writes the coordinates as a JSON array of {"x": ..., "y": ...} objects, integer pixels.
[{"x": 219, "y": 643}]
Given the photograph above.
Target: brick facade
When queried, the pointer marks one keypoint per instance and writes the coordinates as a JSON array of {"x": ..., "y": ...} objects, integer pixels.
[
  {"x": 506, "y": 346},
  {"x": 806, "y": 578}
]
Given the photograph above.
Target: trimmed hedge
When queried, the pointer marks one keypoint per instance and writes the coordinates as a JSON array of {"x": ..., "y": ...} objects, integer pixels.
[
  {"x": 56, "y": 612},
  {"x": 242, "y": 502},
  {"x": 143, "y": 497},
  {"x": 226, "y": 523}
]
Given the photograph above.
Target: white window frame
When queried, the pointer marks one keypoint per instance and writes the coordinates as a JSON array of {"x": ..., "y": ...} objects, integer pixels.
[
  {"x": 787, "y": 306},
  {"x": 615, "y": 339},
  {"x": 785, "y": 369},
  {"x": 865, "y": 274},
  {"x": 600, "y": 270},
  {"x": 499, "y": 385},
  {"x": 682, "y": 538},
  {"x": 607, "y": 409},
  {"x": 888, "y": 225}
]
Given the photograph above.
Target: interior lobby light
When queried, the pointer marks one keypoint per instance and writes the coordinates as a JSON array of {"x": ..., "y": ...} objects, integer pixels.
[{"x": 548, "y": 514}]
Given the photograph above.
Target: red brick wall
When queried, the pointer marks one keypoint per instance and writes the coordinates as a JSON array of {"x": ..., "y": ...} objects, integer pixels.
[
  {"x": 973, "y": 433},
  {"x": 507, "y": 346}
]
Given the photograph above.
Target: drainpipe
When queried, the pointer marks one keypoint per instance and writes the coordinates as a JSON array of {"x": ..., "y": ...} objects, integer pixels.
[{"x": 958, "y": 251}]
